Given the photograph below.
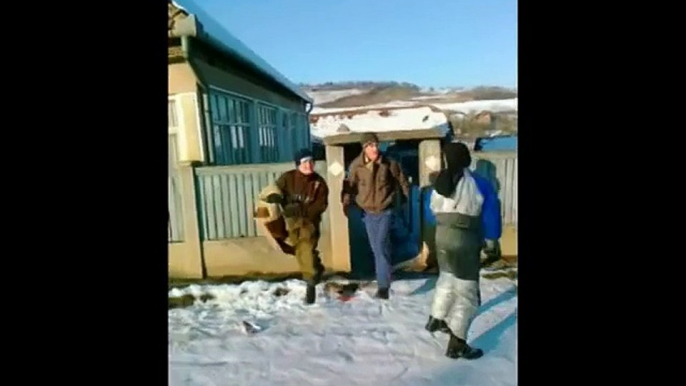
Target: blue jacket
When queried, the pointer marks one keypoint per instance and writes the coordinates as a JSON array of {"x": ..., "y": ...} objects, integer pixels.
[{"x": 491, "y": 218}]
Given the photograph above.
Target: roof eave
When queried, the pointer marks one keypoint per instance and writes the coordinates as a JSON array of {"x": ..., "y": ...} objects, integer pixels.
[{"x": 191, "y": 27}]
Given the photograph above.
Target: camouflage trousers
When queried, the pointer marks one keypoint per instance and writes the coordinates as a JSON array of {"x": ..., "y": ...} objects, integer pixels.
[{"x": 304, "y": 237}]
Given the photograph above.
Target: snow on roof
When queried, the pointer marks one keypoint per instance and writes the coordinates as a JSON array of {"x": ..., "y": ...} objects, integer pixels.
[
  {"x": 229, "y": 42},
  {"x": 377, "y": 120}
]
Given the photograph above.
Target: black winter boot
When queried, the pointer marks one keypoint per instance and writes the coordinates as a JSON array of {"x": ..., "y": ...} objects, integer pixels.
[
  {"x": 458, "y": 348},
  {"x": 382, "y": 293},
  {"x": 434, "y": 325},
  {"x": 310, "y": 294},
  {"x": 318, "y": 272}
]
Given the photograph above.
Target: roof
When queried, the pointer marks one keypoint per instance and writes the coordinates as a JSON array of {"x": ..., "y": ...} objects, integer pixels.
[{"x": 213, "y": 33}]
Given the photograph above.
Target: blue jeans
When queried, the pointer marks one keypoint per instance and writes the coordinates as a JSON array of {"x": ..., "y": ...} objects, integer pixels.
[{"x": 379, "y": 232}]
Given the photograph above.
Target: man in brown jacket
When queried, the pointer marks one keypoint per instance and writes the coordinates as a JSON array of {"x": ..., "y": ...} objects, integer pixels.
[
  {"x": 374, "y": 180},
  {"x": 304, "y": 199}
]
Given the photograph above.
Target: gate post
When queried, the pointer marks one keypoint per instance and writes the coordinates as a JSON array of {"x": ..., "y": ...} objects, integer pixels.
[
  {"x": 430, "y": 160},
  {"x": 338, "y": 222}
]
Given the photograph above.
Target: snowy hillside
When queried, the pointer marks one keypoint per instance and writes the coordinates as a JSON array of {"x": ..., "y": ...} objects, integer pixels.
[
  {"x": 466, "y": 107},
  {"x": 326, "y": 96},
  {"x": 360, "y": 342}
]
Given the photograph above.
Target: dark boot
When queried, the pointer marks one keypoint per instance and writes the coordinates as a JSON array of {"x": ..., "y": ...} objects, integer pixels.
[
  {"x": 458, "y": 348},
  {"x": 310, "y": 294},
  {"x": 318, "y": 271},
  {"x": 382, "y": 293},
  {"x": 434, "y": 325}
]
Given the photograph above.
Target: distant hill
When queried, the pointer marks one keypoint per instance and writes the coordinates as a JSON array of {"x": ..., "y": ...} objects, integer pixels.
[
  {"x": 364, "y": 93},
  {"x": 364, "y": 85}
]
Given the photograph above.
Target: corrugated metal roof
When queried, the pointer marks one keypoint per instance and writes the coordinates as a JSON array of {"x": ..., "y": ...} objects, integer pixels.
[{"x": 229, "y": 42}]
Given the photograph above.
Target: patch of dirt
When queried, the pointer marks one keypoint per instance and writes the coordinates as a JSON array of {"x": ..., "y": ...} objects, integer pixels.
[
  {"x": 181, "y": 302},
  {"x": 206, "y": 297},
  {"x": 187, "y": 300},
  {"x": 281, "y": 291},
  {"x": 509, "y": 274},
  {"x": 250, "y": 276},
  {"x": 345, "y": 288}
]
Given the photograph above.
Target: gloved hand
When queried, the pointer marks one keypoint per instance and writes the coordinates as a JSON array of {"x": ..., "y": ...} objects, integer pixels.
[
  {"x": 274, "y": 198},
  {"x": 346, "y": 201},
  {"x": 292, "y": 210}
]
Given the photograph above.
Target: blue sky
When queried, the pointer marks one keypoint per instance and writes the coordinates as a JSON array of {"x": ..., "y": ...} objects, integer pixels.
[{"x": 431, "y": 43}]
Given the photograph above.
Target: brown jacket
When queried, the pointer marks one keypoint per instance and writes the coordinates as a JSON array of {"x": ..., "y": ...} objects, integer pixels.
[
  {"x": 375, "y": 186},
  {"x": 311, "y": 192}
]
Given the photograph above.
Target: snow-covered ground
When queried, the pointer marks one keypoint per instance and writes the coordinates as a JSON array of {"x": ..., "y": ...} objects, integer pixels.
[{"x": 360, "y": 342}]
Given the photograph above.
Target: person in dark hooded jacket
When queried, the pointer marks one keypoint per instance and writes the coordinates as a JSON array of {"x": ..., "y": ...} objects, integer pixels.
[{"x": 467, "y": 212}]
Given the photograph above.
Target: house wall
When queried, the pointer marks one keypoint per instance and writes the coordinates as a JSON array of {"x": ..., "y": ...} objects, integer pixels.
[{"x": 181, "y": 79}]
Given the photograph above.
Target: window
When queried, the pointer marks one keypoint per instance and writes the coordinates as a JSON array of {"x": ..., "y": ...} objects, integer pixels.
[
  {"x": 172, "y": 117},
  {"x": 267, "y": 133},
  {"x": 240, "y": 126},
  {"x": 305, "y": 130},
  {"x": 295, "y": 131},
  {"x": 173, "y": 134},
  {"x": 230, "y": 129}
]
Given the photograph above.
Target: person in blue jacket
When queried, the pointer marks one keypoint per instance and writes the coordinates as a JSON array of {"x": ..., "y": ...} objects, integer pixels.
[{"x": 467, "y": 213}]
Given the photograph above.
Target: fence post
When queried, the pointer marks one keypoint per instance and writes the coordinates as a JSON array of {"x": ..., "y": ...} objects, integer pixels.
[{"x": 186, "y": 258}]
